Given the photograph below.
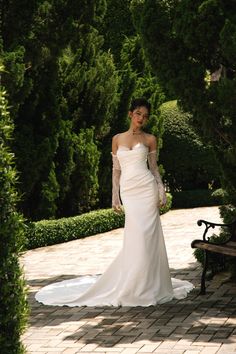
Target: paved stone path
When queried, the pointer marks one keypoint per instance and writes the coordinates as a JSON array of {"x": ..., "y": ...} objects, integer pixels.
[{"x": 197, "y": 324}]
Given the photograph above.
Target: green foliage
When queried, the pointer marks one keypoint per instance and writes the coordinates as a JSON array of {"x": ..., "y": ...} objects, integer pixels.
[
  {"x": 90, "y": 83},
  {"x": 118, "y": 124},
  {"x": 220, "y": 195},
  {"x": 186, "y": 42},
  {"x": 49, "y": 194},
  {"x": 189, "y": 44},
  {"x": 50, "y": 232},
  {"x": 82, "y": 195},
  {"x": 117, "y": 26},
  {"x": 61, "y": 86},
  {"x": 68, "y": 97},
  {"x": 228, "y": 212},
  {"x": 13, "y": 304},
  {"x": 199, "y": 253},
  {"x": 64, "y": 162},
  {"x": 189, "y": 163},
  {"x": 136, "y": 80},
  {"x": 146, "y": 85},
  {"x": 168, "y": 205},
  {"x": 197, "y": 198},
  {"x": 90, "y": 99},
  {"x": 35, "y": 100}
]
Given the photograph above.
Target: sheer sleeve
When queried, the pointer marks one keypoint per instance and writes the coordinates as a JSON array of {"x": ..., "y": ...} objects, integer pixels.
[
  {"x": 152, "y": 164},
  {"x": 116, "y": 172}
]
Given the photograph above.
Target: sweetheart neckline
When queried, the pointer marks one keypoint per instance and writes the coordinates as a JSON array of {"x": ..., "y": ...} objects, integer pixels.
[{"x": 133, "y": 147}]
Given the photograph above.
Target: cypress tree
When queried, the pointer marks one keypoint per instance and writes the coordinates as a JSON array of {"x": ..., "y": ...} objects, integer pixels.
[
  {"x": 60, "y": 84},
  {"x": 13, "y": 303},
  {"x": 90, "y": 85}
]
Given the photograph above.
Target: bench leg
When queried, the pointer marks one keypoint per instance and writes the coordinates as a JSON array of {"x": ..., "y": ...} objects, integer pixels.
[{"x": 205, "y": 265}]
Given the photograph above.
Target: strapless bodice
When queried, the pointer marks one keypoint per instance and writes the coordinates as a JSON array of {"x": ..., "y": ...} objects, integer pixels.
[
  {"x": 132, "y": 160},
  {"x": 133, "y": 164}
]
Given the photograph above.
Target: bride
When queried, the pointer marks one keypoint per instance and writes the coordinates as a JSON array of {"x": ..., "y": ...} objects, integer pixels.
[{"x": 139, "y": 275}]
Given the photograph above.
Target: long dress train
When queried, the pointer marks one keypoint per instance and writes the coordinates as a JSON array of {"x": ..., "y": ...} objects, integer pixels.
[{"x": 139, "y": 275}]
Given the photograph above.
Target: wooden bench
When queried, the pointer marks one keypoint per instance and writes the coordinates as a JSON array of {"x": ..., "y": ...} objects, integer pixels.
[{"x": 226, "y": 248}]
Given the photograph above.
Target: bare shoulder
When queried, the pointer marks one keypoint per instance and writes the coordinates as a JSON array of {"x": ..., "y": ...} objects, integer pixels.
[
  {"x": 115, "y": 140},
  {"x": 118, "y": 137},
  {"x": 150, "y": 139},
  {"x": 115, "y": 137}
]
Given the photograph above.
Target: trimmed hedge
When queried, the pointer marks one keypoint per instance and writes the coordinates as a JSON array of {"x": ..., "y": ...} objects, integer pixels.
[
  {"x": 50, "y": 232},
  {"x": 197, "y": 198}
]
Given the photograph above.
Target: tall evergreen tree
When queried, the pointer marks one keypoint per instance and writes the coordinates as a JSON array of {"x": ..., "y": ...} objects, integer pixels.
[
  {"x": 191, "y": 46},
  {"x": 117, "y": 26},
  {"x": 90, "y": 97},
  {"x": 52, "y": 107}
]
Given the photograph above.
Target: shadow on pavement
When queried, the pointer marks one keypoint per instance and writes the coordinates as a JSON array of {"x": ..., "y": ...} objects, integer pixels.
[{"x": 194, "y": 319}]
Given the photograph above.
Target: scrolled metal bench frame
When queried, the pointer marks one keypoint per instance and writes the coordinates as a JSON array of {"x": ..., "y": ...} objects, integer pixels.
[{"x": 225, "y": 248}]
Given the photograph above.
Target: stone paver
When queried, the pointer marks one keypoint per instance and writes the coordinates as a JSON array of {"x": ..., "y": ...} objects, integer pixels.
[{"x": 195, "y": 325}]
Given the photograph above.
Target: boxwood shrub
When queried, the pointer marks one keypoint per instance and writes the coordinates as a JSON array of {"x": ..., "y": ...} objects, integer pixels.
[
  {"x": 188, "y": 162},
  {"x": 197, "y": 198},
  {"x": 13, "y": 294},
  {"x": 50, "y": 232}
]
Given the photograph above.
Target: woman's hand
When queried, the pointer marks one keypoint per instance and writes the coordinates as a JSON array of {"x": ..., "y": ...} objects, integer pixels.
[
  {"x": 117, "y": 208},
  {"x": 162, "y": 198}
]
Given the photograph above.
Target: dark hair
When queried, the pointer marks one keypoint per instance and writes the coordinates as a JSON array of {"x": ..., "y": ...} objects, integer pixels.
[{"x": 140, "y": 102}]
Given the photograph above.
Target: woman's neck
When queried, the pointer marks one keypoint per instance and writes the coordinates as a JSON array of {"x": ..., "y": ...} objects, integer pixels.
[{"x": 135, "y": 131}]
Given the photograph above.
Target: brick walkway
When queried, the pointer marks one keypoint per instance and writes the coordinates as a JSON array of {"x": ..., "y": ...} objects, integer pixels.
[{"x": 197, "y": 324}]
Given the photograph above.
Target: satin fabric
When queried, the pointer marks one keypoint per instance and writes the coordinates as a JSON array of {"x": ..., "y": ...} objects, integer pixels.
[{"x": 139, "y": 275}]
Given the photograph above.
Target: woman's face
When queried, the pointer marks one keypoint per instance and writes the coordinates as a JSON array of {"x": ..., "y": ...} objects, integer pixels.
[{"x": 139, "y": 116}]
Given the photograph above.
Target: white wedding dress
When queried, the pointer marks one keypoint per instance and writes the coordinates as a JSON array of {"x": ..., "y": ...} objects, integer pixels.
[{"x": 139, "y": 275}]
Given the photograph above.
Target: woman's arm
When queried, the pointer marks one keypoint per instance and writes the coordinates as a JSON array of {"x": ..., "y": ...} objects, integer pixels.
[
  {"x": 152, "y": 164},
  {"x": 116, "y": 173}
]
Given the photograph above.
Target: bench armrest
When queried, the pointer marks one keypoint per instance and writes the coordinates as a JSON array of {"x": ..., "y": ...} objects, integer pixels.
[{"x": 209, "y": 224}]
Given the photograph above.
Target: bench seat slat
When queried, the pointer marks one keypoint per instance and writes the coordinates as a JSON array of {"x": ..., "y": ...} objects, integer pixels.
[
  {"x": 232, "y": 244},
  {"x": 228, "y": 249}
]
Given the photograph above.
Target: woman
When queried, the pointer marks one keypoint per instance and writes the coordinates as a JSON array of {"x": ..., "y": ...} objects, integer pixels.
[{"x": 139, "y": 275}]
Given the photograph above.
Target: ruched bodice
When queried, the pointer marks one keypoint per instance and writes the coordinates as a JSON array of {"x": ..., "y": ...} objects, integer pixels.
[
  {"x": 134, "y": 169},
  {"x": 133, "y": 160}
]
